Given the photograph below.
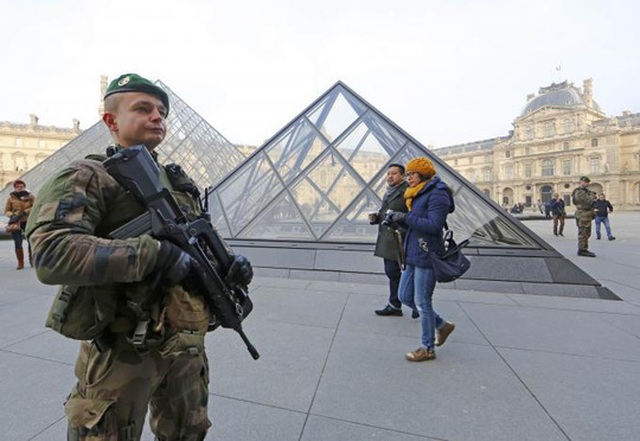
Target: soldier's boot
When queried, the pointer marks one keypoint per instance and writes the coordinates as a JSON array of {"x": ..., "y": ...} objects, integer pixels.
[
  {"x": 586, "y": 253},
  {"x": 20, "y": 257}
]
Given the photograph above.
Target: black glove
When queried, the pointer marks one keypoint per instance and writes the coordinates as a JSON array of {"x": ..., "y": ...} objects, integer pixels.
[
  {"x": 173, "y": 264},
  {"x": 240, "y": 271},
  {"x": 13, "y": 219},
  {"x": 395, "y": 217},
  {"x": 23, "y": 213}
]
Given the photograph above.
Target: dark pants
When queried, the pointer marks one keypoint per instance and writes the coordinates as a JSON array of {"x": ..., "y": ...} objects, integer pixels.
[
  {"x": 17, "y": 236},
  {"x": 393, "y": 272}
]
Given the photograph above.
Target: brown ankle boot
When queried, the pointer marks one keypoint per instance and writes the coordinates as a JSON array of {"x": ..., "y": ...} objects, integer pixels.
[{"x": 20, "y": 256}]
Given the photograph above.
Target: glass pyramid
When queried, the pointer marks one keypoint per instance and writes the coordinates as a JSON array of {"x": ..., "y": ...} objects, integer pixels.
[
  {"x": 191, "y": 141},
  {"x": 318, "y": 178}
]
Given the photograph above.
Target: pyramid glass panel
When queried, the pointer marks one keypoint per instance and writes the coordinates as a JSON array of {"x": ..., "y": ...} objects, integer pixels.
[
  {"x": 248, "y": 191},
  {"x": 353, "y": 225},
  {"x": 295, "y": 149},
  {"x": 202, "y": 152},
  {"x": 281, "y": 220},
  {"x": 332, "y": 161},
  {"x": 335, "y": 113}
]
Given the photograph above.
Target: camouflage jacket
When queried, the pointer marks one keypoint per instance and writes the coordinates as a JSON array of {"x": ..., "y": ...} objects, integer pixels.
[
  {"x": 584, "y": 199},
  {"x": 68, "y": 230}
]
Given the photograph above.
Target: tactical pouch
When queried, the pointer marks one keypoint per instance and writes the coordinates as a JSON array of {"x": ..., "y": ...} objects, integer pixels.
[
  {"x": 184, "y": 311},
  {"x": 89, "y": 417},
  {"x": 82, "y": 312},
  {"x": 185, "y": 343}
]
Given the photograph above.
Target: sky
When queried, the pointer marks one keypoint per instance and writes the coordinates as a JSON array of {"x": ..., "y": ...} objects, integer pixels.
[{"x": 446, "y": 71}]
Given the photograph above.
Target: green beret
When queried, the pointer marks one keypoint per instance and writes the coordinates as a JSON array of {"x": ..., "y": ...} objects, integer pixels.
[
  {"x": 585, "y": 179},
  {"x": 135, "y": 83}
]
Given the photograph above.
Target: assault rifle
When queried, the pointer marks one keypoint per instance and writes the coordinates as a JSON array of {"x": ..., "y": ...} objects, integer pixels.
[{"x": 135, "y": 169}]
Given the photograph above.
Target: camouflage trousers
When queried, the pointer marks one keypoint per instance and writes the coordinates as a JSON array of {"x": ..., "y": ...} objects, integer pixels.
[
  {"x": 584, "y": 231},
  {"x": 116, "y": 386}
]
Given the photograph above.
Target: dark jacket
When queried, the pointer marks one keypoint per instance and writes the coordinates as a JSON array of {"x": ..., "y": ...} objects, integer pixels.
[
  {"x": 386, "y": 244},
  {"x": 603, "y": 207},
  {"x": 557, "y": 207},
  {"x": 426, "y": 220}
]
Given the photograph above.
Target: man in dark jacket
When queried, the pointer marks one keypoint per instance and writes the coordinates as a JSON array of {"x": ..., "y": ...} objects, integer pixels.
[
  {"x": 603, "y": 208},
  {"x": 388, "y": 245},
  {"x": 556, "y": 206}
]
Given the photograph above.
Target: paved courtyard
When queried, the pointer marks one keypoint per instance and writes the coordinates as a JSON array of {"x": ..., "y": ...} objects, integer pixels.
[{"x": 518, "y": 367}]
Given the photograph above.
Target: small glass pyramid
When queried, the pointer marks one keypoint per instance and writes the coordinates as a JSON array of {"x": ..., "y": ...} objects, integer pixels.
[{"x": 204, "y": 154}]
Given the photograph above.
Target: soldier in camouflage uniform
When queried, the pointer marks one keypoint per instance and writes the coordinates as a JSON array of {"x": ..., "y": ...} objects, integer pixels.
[
  {"x": 584, "y": 201},
  {"x": 109, "y": 284}
]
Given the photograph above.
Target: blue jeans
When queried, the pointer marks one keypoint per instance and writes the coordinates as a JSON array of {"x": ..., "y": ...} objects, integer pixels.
[
  {"x": 416, "y": 290},
  {"x": 607, "y": 227}
]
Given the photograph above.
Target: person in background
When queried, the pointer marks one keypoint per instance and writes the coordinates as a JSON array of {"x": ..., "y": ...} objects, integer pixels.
[
  {"x": 387, "y": 245},
  {"x": 556, "y": 206},
  {"x": 17, "y": 209},
  {"x": 584, "y": 201},
  {"x": 603, "y": 208},
  {"x": 429, "y": 201}
]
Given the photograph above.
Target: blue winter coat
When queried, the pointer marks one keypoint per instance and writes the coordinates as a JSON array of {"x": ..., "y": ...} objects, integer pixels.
[{"x": 426, "y": 220}]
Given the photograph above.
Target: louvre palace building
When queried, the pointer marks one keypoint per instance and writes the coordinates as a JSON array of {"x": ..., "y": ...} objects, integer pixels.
[
  {"x": 23, "y": 146},
  {"x": 561, "y": 134}
]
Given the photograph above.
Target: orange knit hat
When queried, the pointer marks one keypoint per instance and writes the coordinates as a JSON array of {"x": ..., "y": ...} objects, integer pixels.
[{"x": 421, "y": 165}]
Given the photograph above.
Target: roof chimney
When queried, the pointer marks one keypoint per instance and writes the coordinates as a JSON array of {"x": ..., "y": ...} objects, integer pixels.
[
  {"x": 33, "y": 120},
  {"x": 104, "y": 80},
  {"x": 530, "y": 97},
  {"x": 76, "y": 125},
  {"x": 587, "y": 95}
]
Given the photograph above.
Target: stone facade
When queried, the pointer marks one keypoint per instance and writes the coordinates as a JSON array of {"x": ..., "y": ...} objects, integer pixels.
[
  {"x": 23, "y": 146},
  {"x": 560, "y": 135}
]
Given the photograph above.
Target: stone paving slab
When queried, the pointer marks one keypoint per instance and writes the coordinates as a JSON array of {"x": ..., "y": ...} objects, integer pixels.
[{"x": 518, "y": 367}]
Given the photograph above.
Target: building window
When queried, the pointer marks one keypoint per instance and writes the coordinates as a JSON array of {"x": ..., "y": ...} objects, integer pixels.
[
  {"x": 528, "y": 132},
  {"x": 42, "y": 143},
  {"x": 565, "y": 145},
  {"x": 549, "y": 128},
  {"x": 547, "y": 167},
  {"x": 487, "y": 174},
  {"x": 508, "y": 172},
  {"x": 567, "y": 125},
  {"x": 18, "y": 142},
  {"x": 527, "y": 150},
  {"x": 594, "y": 142},
  {"x": 507, "y": 153},
  {"x": 566, "y": 167},
  {"x": 470, "y": 159},
  {"x": 455, "y": 161},
  {"x": 528, "y": 170},
  {"x": 594, "y": 165}
]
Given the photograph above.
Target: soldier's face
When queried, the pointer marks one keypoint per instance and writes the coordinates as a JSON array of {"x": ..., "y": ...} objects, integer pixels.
[{"x": 139, "y": 119}]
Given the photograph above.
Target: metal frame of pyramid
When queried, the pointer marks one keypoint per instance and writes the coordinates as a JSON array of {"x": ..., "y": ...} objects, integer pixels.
[
  {"x": 204, "y": 154},
  {"x": 311, "y": 186}
]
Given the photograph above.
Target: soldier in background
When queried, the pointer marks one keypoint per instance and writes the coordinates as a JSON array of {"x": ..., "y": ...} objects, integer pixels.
[
  {"x": 584, "y": 201},
  {"x": 142, "y": 332}
]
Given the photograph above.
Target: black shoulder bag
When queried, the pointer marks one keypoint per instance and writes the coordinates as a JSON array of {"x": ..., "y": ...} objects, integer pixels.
[{"x": 451, "y": 263}]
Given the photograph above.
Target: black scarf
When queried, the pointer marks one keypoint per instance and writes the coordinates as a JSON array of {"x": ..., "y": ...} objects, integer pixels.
[{"x": 20, "y": 194}]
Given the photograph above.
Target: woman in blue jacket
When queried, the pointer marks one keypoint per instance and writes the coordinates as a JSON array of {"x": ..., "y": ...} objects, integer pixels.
[{"x": 429, "y": 201}]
